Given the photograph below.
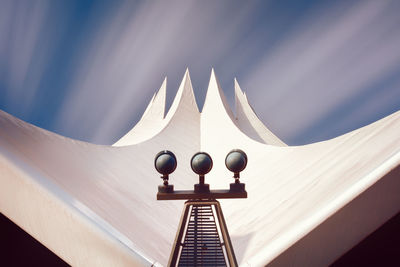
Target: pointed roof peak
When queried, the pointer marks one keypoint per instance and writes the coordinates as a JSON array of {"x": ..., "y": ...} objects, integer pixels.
[
  {"x": 163, "y": 87},
  {"x": 213, "y": 77},
  {"x": 156, "y": 106},
  {"x": 159, "y": 99},
  {"x": 213, "y": 84},
  {"x": 150, "y": 120},
  {"x": 215, "y": 95},
  {"x": 238, "y": 90},
  {"x": 184, "y": 98},
  {"x": 149, "y": 106},
  {"x": 186, "y": 78},
  {"x": 248, "y": 121}
]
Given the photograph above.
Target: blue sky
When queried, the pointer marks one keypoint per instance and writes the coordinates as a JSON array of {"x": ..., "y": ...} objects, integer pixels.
[{"x": 312, "y": 70}]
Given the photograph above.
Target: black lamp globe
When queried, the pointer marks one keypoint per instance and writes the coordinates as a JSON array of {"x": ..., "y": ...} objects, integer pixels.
[
  {"x": 201, "y": 163},
  {"x": 165, "y": 162},
  {"x": 236, "y": 161}
]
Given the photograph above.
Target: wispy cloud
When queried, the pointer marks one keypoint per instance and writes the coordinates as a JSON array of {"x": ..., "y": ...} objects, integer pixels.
[
  {"x": 91, "y": 67},
  {"x": 22, "y": 59},
  {"x": 130, "y": 56},
  {"x": 333, "y": 55}
]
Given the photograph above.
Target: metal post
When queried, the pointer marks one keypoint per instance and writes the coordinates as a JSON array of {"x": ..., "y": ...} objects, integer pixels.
[
  {"x": 225, "y": 235},
  {"x": 177, "y": 243}
]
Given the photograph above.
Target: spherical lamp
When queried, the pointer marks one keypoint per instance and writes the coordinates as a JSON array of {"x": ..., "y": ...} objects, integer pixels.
[{"x": 165, "y": 163}]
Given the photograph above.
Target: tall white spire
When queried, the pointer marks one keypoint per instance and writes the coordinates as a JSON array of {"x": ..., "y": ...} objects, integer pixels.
[
  {"x": 215, "y": 106},
  {"x": 215, "y": 99},
  {"x": 185, "y": 101}
]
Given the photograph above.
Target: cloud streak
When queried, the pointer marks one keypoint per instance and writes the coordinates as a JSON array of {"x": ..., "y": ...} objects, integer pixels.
[
  {"x": 130, "y": 56},
  {"x": 87, "y": 71},
  {"x": 331, "y": 57},
  {"x": 21, "y": 62}
]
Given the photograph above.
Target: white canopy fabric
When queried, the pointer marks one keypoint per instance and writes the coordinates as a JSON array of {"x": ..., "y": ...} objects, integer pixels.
[{"x": 95, "y": 205}]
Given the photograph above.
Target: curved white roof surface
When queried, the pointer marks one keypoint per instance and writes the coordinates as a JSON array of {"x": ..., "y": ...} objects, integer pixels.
[{"x": 95, "y": 205}]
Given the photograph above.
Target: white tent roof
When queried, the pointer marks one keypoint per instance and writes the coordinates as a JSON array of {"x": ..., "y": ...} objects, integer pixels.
[{"x": 96, "y": 205}]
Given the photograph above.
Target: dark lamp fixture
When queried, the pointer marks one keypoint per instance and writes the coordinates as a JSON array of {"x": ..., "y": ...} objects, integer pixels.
[
  {"x": 165, "y": 163},
  {"x": 236, "y": 161},
  {"x": 201, "y": 164},
  {"x": 202, "y": 237}
]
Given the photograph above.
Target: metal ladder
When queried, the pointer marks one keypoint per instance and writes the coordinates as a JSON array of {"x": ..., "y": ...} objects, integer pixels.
[{"x": 202, "y": 245}]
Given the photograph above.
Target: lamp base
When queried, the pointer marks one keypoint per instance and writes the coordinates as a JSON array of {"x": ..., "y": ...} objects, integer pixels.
[
  {"x": 202, "y": 188},
  {"x": 237, "y": 187},
  {"x": 166, "y": 188}
]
